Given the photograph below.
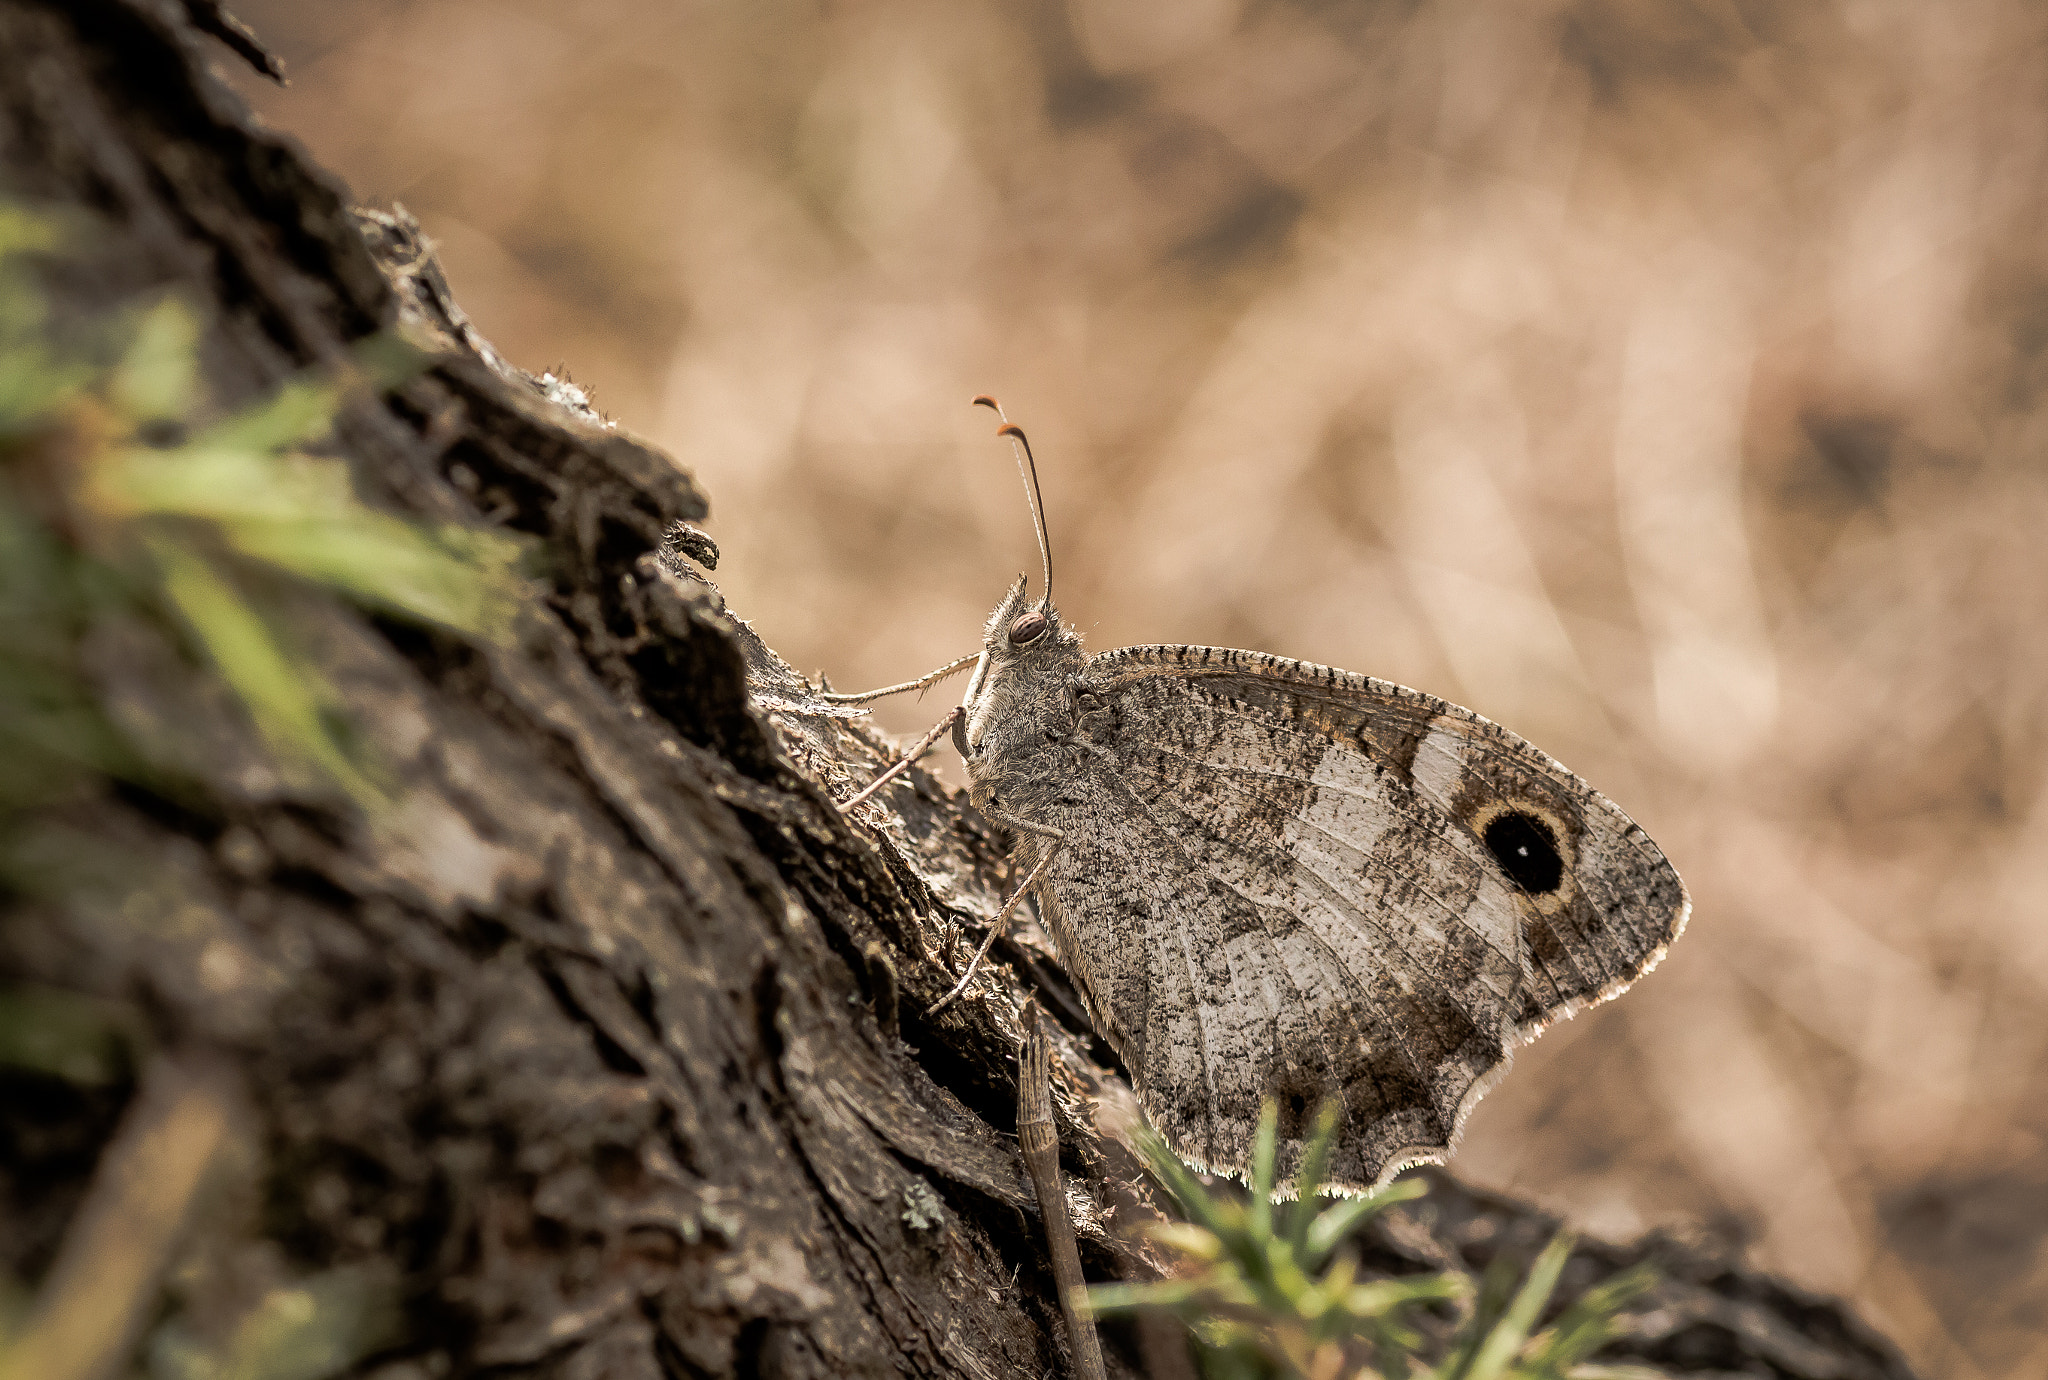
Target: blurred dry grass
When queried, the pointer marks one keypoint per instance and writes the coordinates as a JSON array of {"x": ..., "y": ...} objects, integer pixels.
[{"x": 1665, "y": 378}]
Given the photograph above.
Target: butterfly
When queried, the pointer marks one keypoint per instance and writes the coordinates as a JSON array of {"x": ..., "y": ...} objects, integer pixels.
[{"x": 1276, "y": 881}]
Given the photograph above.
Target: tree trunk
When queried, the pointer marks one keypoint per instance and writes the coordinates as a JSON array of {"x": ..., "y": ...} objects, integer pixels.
[{"x": 602, "y": 1051}]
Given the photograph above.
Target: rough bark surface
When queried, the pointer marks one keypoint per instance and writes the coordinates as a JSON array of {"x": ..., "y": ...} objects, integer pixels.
[{"x": 608, "y": 1040}]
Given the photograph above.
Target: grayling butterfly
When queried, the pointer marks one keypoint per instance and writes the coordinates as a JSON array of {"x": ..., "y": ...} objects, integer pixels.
[{"x": 1275, "y": 880}]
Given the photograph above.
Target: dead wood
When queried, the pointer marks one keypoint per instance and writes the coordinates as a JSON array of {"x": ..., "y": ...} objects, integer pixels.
[{"x": 608, "y": 1043}]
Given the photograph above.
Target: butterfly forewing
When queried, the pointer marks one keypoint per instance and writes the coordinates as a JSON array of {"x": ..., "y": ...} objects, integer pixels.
[{"x": 1283, "y": 881}]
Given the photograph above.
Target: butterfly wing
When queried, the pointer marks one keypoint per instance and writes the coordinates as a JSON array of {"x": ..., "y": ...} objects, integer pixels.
[{"x": 1286, "y": 881}]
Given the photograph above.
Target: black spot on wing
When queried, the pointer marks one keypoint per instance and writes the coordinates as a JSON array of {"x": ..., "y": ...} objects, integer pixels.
[{"x": 1526, "y": 850}]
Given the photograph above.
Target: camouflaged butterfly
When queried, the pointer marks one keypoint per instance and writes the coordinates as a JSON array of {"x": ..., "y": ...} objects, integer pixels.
[{"x": 1271, "y": 879}]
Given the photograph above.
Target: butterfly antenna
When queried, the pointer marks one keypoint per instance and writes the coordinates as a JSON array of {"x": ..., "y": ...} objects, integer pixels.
[{"x": 1027, "y": 470}]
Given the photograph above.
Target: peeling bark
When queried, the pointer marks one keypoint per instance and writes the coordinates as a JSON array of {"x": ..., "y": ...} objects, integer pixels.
[{"x": 609, "y": 1039}]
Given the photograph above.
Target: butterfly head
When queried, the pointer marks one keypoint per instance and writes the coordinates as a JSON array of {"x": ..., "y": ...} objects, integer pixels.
[
  {"x": 1023, "y": 650},
  {"x": 1027, "y": 631}
]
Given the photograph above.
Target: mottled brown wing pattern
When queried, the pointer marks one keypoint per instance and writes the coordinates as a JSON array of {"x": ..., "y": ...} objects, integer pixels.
[{"x": 1286, "y": 881}]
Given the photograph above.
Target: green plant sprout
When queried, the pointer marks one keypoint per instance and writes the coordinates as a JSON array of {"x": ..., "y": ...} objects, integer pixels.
[
  {"x": 126, "y": 497},
  {"x": 116, "y": 495},
  {"x": 1271, "y": 1292}
]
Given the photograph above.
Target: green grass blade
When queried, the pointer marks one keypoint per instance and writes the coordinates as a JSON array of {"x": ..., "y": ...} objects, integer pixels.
[
  {"x": 23, "y": 231},
  {"x": 1588, "y": 1324},
  {"x": 1187, "y": 1240},
  {"x": 384, "y": 361},
  {"x": 1188, "y": 1192},
  {"x": 284, "y": 695},
  {"x": 158, "y": 376},
  {"x": 1496, "y": 1290},
  {"x": 1382, "y": 1298},
  {"x": 1107, "y": 1299},
  {"x": 1265, "y": 1149},
  {"x": 398, "y": 568},
  {"x": 301, "y": 515},
  {"x": 1331, "y": 1226},
  {"x": 300, "y": 411},
  {"x": 304, "y": 408},
  {"x": 1315, "y": 1163},
  {"x": 1503, "y": 1341},
  {"x": 35, "y": 382},
  {"x": 220, "y": 483}
]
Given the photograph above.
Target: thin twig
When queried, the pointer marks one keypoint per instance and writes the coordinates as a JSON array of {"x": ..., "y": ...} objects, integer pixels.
[
  {"x": 1041, "y": 1145},
  {"x": 103, "y": 1285}
]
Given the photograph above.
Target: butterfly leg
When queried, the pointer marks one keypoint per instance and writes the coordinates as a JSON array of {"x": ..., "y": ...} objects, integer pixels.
[
  {"x": 951, "y": 721},
  {"x": 921, "y": 683},
  {"x": 1002, "y": 920}
]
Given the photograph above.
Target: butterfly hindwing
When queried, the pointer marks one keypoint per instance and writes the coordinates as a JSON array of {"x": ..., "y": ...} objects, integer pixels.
[
  {"x": 1285, "y": 881},
  {"x": 1617, "y": 902}
]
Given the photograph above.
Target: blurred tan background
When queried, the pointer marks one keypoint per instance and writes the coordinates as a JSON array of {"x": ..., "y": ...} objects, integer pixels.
[{"x": 1667, "y": 379}]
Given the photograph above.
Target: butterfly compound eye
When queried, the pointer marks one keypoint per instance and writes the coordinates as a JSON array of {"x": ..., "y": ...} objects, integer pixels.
[
  {"x": 1029, "y": 627},
  {"x": 1526, "y": 851}
]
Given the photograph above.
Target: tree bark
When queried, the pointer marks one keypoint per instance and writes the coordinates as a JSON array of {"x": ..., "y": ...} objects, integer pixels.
[{"x": 606, "y": 1045}]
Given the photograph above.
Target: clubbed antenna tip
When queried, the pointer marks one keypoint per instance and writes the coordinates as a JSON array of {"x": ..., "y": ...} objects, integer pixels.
[{"x": 1027, "y": 469}]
